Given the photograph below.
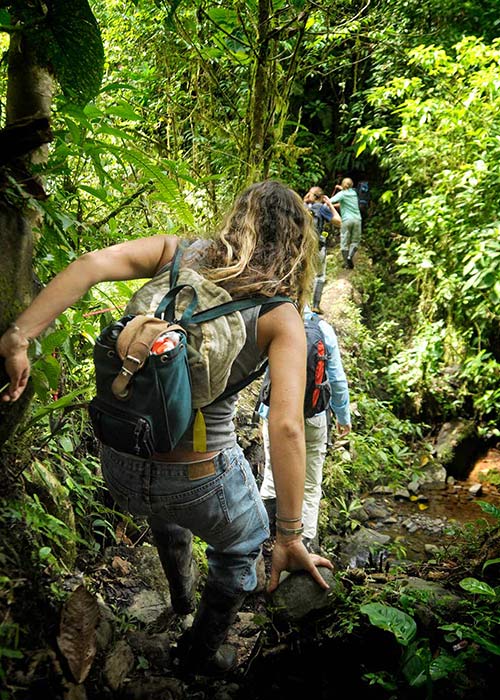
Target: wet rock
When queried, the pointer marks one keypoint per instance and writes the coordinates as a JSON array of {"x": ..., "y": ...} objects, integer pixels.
[
  {"x": 104, "y": 633},
  {"x": 118, "y": 665},
  {"x": 144, "y": 571},
  {"x": 476, "y": 489},
  {"x": 458, "y": 446},
  {"x": 434, "y": 600},
  {"x": 362, "y": 547},
  {"x": 299, "y": 594},
  {"x": 433, "y": 476},
  {"x": 72, "y": 691},
  {"x": 422, "y": 498},
  {"x": 227, "y": 692},
  {"x": 373, "y": 510},
  {"x": 147, "y": 607},
  {"x": 402, "y": 494},
  {"x": 154, "y": 647},
  {"x": 157, "y": 687},
  {"x": 382, "y": 489},
  {"x": 432, "y": 550},
  {"x": 414, "y": 486}
]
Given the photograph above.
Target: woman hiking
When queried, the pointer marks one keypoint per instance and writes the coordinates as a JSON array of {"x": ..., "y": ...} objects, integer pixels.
[{"x": 266, "y": 246}]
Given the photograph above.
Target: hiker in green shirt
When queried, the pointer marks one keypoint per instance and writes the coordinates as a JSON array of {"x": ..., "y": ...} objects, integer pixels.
[{"x": 350, "y": 230}]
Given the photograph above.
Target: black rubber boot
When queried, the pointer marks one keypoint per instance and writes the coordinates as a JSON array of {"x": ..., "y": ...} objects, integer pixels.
[
  {"x": 350, "y": 258},
  {"x": 345, "y": 256},
  {"x": 318, "y": 291},
  {"x": 201, "y": 649},
  {"x": 175, "y": 546}
]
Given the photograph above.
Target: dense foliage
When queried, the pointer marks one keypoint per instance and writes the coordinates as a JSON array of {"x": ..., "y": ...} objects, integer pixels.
[
  {"x": 162, "y": 112},
  {"x": 437, "y": 137}
]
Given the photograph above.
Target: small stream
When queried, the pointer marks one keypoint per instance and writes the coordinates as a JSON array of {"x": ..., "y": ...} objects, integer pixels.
[{"x": 428, "y": 520}]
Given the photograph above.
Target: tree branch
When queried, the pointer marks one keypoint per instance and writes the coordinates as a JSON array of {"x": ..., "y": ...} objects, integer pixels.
[{"x": 148, "y": 187}]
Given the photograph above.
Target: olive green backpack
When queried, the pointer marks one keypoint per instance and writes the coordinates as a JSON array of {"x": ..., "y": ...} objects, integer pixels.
[{"x": 146, "y": 402}]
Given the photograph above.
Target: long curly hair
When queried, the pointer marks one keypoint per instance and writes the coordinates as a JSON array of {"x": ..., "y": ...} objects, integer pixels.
[{"x": 267, "y": 245}]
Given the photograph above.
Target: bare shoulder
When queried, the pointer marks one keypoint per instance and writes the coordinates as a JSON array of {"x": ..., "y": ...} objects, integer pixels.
[
  {"x": 283, "y": 320},
  {"x": 169, "y": 246}
]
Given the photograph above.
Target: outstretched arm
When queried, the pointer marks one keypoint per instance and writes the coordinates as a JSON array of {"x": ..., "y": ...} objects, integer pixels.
[
  {"x": 339, "y": 402},
  {"x": 281, "y": 332},
  {"x": 130, "y": 260}
]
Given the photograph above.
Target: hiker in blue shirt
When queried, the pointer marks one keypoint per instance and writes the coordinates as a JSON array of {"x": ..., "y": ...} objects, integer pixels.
[
  {"x": 350, "y": 230},
  {"x": 316, "y": 432},
  {"x": 323, "y": 212}
]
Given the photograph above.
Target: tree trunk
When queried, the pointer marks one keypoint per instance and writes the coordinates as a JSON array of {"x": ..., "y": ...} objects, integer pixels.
[
  {"x": 260, "y": 94},
  {"x": 29, "y": 96}
]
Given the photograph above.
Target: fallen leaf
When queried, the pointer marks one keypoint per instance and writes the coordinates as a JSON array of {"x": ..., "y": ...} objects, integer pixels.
[
  {"x": 121, "y": 535},
  {"x": 121, "y": 565},
  {"x": 77, "y": 638}
]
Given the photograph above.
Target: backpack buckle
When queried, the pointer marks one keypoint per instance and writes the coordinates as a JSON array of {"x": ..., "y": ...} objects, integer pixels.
[{"x": 120, "y": 385}]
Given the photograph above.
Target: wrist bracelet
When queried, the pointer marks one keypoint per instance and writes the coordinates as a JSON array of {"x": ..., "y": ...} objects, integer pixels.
[
  {"x": 288, "y": 520},
  {"x": 16, "y": 329},
  {"x": 290, "y": 531}
]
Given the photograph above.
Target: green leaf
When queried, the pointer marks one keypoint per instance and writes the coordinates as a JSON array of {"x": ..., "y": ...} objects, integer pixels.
[
  {"x": 167, "y": 188},
  {"x": 51, "y": 369},
  {"x": 52, "y": 341},
  {"x": 490, "y": 562},
  {"x": 490, "y": 508},
  {"x": 64, "y": 401},
  {"x": 402, "y": 626},
  {"x": 11, "y": 653},
  {"x": 361, "y": 148},
  {"x": 44, "y": 552},
  {"x": 66, "y": 443},
  {"x": 464, "y": 632},
  {"x": 99, "y": 193},
  {"x": 4, "y": 17},
  {"x": 113, "y": 131},
  {"x": 472, "y": 585},
  {"x": 124, "y": 111}
]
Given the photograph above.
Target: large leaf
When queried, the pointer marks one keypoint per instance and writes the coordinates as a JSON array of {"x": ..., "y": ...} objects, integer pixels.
[
  {"x": 402, "y": 626},
  {"x": 472, "y": 585},
  {"x": 167, "y": 189}
]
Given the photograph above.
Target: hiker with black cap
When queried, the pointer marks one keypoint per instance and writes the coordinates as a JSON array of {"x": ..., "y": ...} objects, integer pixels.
[{"x": 323, "y": 212}]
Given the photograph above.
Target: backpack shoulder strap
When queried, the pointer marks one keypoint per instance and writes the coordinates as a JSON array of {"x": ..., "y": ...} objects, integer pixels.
[
  {"x": 236, "y": 305},
  {"x": 241, "y": 305},
  {"x": 176, "y": 262}
]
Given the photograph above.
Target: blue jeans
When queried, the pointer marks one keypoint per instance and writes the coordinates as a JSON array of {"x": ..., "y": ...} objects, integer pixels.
[{"x": 224, "y": 509}]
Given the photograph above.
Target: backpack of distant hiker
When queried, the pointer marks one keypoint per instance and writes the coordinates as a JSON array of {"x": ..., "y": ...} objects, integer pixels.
[
  {"x": 316, "y": 210},
  {"x": 363, "y": 190},
  {"x": 169, "y": 356},
  {"x": 318, "y": 390}
]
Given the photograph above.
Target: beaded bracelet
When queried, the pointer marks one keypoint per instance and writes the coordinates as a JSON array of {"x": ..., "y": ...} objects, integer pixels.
[{"x": 290, "y": 531}]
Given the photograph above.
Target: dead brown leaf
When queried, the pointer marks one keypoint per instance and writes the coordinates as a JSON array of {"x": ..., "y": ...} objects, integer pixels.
[
  {"x": 121, "y": 535},
  {"x": 121, "y": 565},
  {"x": 77, "y": 638}
]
